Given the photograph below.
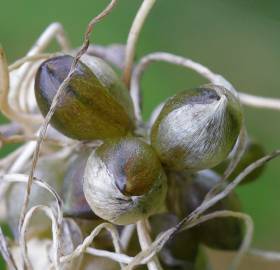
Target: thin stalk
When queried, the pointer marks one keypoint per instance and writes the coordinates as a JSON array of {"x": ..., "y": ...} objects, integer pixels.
[
  {"x": 58, "y": 95},
  {"x": 145, "y": 242},
  {"x": 133, "y": 37}
]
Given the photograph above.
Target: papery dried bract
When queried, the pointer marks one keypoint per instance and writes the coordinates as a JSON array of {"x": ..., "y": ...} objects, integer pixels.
[{"x": 49, "y": 170}]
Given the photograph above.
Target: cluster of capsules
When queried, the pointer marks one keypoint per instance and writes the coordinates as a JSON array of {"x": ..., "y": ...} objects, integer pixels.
[{"x": 164, "y": 173}]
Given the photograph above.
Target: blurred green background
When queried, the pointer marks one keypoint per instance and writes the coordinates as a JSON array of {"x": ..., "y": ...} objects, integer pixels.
[{"x": 238, "y": 38}]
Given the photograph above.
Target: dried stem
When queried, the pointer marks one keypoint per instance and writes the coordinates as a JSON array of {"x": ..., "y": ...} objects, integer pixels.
[
  {"x": 56, "y": 222},
  {"x": 264, "y": 254},
  {"x": 205, "y": 72},
  {"x": 5, "y": 107},
  {"x": 126, "y": 235},
  {"x": 145, "y": 242},
  {"x": 53, "y": 30},
  {"x": 4, "y": 250},
  {"x": 6, "y": 162},
  {"x": 13, "y": 113},
  {"x": 154, "y": 115},
  {"x": 231, "y": 186},
  {"x": 238, "y": 152},
  {"x": 23, "y": 157},
  {"x": 235, "y": 157},
  {"x": 88, "y": 240},
  {"x": 118, "y": 257},
  {"x": 22, "y": 178},
  {"x": 194, "y": 218},
  {"x": 25, "y": 98},
  {"x": 25, "y": 138},
  {"x": 56, "y": 219},
  {"x": 260, "y": 102},
  {"x": 172, "y": 59},
  {"x": 30, "y": 58},
  {"x": 55, "y": 101},
  {"x": 146, "y": 255},
  {"x": 157, "y": 245},
  {"x": 248, "y": 235},
  {"x": 133, "y": 37}
]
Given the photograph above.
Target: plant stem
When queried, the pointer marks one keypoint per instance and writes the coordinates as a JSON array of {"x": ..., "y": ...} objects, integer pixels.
[
  {"x": 260, "y": 102},
  {"x": 126, "y": 235},
  {"x": 205, "y": 72},
  {"x": 4, "y": 250},
  {"x": 57, "y": 96},
  {"x": 145, "y": 242},
  {"x": 133, "y": 37}
]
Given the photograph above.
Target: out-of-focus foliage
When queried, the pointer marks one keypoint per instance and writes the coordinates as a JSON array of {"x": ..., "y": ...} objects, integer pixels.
[{"x": 239, "y": 39}]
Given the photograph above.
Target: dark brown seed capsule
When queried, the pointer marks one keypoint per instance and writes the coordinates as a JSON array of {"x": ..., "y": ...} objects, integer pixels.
[
  {"x": 95, "y": 104},
  {"x": 187, "y": 192},
  {"x": 74, "y": 201},
  {"x": 124, "y": 181},
  {"x": 133, "y": 164},
  {"x": 196, "y": 129},
  {"x": 253, "y": 152}
]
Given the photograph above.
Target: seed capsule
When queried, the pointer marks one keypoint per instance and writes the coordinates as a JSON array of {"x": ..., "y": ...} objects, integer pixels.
[
  {"x": 75, "y": 203},
  {"x": 253, "y": 152},
  {"x": 197, "y": 129},
  {"x": 188, "y": 192},
  {"x": 181, "y": 251},
  {"x": 124, "y": 181},
  {"x": 95, "y": 104}
]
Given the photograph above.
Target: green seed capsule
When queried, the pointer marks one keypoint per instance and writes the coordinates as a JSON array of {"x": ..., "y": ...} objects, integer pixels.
[
  {"x": 253, "y": 152},
  {"x": 95, "y": 104},
  {"x": 188, "y": 192},
  {"x": 74, "y": 201},
  {"x": 196, "y": 129},
  {"x": 124, "y": 181}
]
